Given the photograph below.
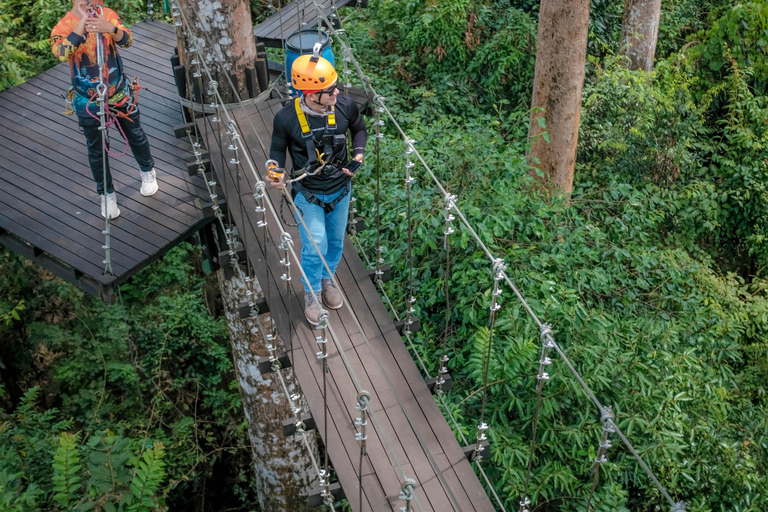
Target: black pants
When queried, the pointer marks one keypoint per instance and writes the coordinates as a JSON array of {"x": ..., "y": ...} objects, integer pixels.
[{"x": 136, "y": 138}]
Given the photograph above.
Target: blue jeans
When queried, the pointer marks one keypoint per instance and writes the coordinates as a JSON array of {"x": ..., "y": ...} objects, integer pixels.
[{"x": 327, "y": 230}]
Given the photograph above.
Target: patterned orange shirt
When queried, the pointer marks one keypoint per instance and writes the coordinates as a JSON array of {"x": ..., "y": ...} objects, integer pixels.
[{"x": 80, "y": 52}]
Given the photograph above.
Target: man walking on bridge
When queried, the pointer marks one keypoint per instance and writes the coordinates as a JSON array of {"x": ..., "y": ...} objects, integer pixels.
[{"x": 313, "y": 129}]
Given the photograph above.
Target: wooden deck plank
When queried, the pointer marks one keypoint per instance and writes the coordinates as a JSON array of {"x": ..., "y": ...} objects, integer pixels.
[
  {"x": 57, "y": 171},
  {"x": 305, "y": 342},
  {"x": 388, "y": 411},
  {"x": 410, "y": 373},
  {"x": 77, "y": 215},
  {"x": 304, "y": 361},
  {"x": 269, "y": 31},
  {"x": 179, "y": 202},
  {"x": 49, "y": 199},
  {"x": 164, "y": 145},
  {"x": 78, "y": 243},
  {"x": 86, "y": 204}
]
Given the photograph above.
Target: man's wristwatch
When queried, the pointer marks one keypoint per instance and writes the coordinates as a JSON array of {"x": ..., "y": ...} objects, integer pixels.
[{"x": 115, "y": 30}]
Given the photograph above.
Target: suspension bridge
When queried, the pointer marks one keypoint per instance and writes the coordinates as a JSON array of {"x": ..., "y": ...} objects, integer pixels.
[{"x": 387, "y": 444}]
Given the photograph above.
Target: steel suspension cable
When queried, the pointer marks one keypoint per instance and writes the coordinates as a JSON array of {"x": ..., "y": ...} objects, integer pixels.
[
  {"x": 232, "y": 249},
  {"x": 676, "y": 506},
  {"x": 401, "y": 405}
]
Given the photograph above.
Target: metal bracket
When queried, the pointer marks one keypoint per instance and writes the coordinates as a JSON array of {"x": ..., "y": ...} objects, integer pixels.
[
  {"x": 359, "y": 224},
  {"x": 386, "y": 276},
  {"x": 265, "y": 363},
  {"x": 205, "y": 161},
  {"x": 315, "y": 497},
  {"x": 447, "y": 384},
  {"x": 289, "y": 426},
  {"x": 260, "y": 304},
  {"x": 415, "y": 326},
  {"x": 485, "y": 450}
]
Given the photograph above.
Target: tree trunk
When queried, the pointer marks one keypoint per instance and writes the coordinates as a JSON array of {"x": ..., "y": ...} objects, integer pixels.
[
  {"x": 639, "y": 32},
  {"x": 225, "y": 38},
  {"x": 561, "y": 53},
  {"x": 284, "y": 472}
]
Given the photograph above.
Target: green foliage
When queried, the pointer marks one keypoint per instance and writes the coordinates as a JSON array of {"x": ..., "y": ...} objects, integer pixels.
[
  {"x": 25, "y": 29},
  {"x": 66, "y": 470},
  {"x": 156, "y": 368},
  {"x": 739, "y": 36}
]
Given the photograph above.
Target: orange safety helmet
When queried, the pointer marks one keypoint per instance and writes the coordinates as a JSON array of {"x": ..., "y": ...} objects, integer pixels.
[{"x": 311, "y": 74}]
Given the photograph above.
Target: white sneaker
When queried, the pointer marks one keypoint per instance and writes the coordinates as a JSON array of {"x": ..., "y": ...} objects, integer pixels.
[
  {"x": 111, "y": 206},
  {"x": 149, "y": 183}
]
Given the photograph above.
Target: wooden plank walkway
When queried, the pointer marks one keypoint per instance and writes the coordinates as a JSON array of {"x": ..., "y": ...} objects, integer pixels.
[
  {"x": 289, "y": 19},
  {"x": 49, "y": 210},
  {"x": 414, "y": 438}
]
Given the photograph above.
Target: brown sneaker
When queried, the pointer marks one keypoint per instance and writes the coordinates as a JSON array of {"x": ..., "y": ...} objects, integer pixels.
[
  {"x": 312, "y": 308},
  {"x": 332, "y": 297}
]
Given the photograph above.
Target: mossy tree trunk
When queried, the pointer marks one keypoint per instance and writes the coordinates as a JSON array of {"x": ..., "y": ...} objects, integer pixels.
[
  {"x": 224, "y": 34},
  {"x": 561, "y": 53},
  {"x": 284, "y": 472},
  {"x": 639, "y": 33}
]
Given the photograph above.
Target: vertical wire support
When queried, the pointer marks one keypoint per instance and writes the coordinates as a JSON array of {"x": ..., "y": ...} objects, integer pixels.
[
  {"x": 379, "y": 109},
  {"x": 363, "y": 399},
  {"x": 606, "y": 417},
  {"x": 450, "y": 204},
  {"x": 347, "y": 71},
  {"x": 101, "y": 90},
  {"x": 407, "y": 494},
  {"x": 498, "y": 274},
  {"x": 175, "y": 14},
  {"x": 409, "y": 312},
  {"x": 547, "y": 342},
  {"x": 322, "y": 354},
  {"x": 285, "y": 245}
]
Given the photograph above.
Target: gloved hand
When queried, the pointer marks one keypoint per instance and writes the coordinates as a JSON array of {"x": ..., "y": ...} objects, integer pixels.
[{"x": 274, "y": 174}]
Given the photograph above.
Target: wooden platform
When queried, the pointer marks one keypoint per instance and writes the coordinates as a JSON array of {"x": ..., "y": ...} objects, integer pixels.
[
  {"x": 455, "y": 486},
  {"x": 49, "y": 209},
  {"x": 269, "y": 31}
]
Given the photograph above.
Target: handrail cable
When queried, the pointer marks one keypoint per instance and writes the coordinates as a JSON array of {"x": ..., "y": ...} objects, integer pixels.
[
  {"x": 366, "y": 82},
  {"x": 232, "y": 249},
  {"x": 235, "y": 136}
]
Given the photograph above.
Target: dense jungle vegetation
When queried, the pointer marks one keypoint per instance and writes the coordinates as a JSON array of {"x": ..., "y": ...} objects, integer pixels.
[{"x": 653, "y": 276}]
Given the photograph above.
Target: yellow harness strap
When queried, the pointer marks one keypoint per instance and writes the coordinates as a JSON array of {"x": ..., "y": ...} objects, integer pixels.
[{"x": 303, "y": 117}]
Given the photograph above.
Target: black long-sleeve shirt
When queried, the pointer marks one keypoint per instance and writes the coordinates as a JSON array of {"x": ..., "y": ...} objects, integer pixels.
[{"x": 286, "y": 134}]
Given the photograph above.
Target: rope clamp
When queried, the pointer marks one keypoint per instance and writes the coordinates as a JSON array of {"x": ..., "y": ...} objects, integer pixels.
[
  {"x": 286, "y": 240},
  {"x": 406, "y": 490}
]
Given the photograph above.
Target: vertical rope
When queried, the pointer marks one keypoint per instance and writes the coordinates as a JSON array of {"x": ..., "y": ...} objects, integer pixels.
[
  {"x": 605, "y": 444},
  {"x": 101, "y": 90},
  {"x": 541, "y": 378},
  {"x": 411, "y": 299},
  {"x": 379, "y": 109},
  {"x": 498, "y": 274},
  {"x": 450, "y": 203},
  {"x": 322, "y": 341},
  {"x": 363, "y": 398}
]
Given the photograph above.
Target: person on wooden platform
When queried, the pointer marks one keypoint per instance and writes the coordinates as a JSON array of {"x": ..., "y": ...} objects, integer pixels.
[
  {"x": 74, "y": 40},
  {"x": 313, "y": 129}
]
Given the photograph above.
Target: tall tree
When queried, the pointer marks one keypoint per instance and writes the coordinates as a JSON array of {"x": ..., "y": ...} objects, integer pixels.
[
  {"x": 561, "y": 53},
  {"x": 639, "y": 32},
  {"x": 284, "y": 472},
  {"x": 224, "y": 34}
]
